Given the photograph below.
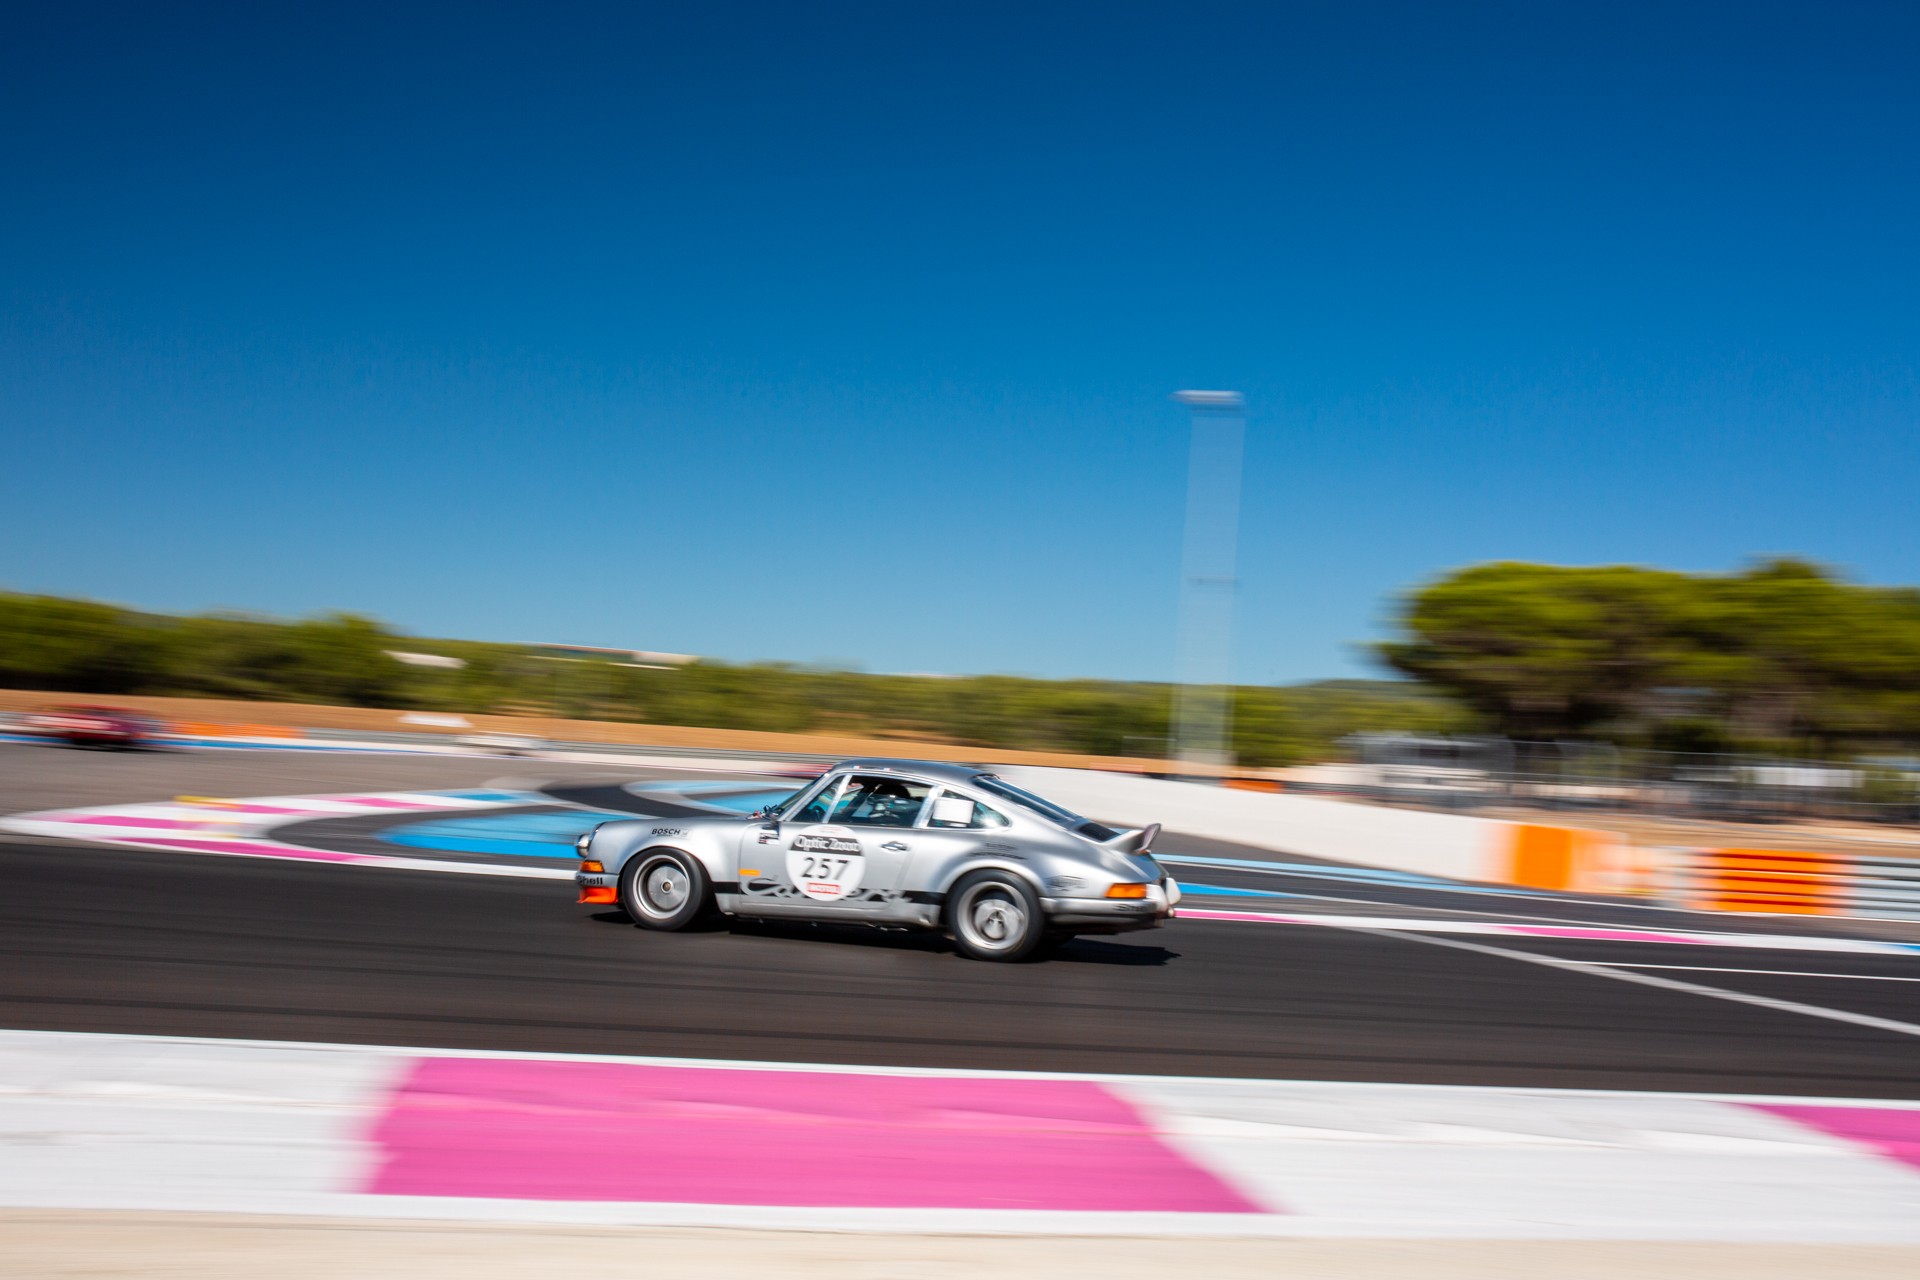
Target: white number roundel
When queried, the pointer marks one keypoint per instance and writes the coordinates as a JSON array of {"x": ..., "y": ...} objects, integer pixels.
[{"x": 825, "y": 863}]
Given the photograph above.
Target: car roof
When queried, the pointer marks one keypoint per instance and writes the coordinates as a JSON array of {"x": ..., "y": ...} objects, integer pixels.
[{"x": 931, "y": 770}]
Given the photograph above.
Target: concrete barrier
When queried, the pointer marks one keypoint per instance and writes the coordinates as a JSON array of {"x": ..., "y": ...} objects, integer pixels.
[{"x": 1436, "y": 844}]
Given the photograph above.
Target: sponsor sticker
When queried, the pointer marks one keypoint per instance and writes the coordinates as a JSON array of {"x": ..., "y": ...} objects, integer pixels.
[
  {"x": 953, "y": 809},
  {"x": 826, "y": 844},
  {"x": 825, "y": 863}
]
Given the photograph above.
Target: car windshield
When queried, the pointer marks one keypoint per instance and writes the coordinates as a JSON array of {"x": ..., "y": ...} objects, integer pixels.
[
  {"x": 816, "y": 809},
  {"x": 1026, "y": 799}
]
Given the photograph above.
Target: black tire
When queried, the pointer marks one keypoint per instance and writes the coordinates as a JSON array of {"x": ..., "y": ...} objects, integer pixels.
[
  {"x": 665, "y": 889},
  {"x": 995, "y": 915}
]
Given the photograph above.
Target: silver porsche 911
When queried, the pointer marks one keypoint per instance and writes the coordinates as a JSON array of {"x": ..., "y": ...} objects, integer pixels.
[{"x": 894, "y": 844}]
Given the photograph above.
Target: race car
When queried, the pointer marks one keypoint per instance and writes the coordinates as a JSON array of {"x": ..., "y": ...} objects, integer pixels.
[
  {"x": 894, "y": 844},
  {"x": 93, "y": 726}
]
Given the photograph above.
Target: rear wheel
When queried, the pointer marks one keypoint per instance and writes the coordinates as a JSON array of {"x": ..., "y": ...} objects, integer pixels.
[
  {"x": 994, "y": 916},
  {"x": 665, "y": 889}
]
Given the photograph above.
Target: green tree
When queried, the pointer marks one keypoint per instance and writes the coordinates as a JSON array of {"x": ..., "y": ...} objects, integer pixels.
[
  {"x": 1546, "y": 651},
  {"x": 342, "y": 658},
  {"x": 1795, "y": 652},
  {"x": 1783, "y": 655},
  {"x": 75, "y": 646}
]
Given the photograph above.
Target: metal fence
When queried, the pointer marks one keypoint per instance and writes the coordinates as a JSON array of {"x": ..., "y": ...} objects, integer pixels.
[
  {"x": 1473, "y": 773},
  {"x": 1781, "y": 881}
]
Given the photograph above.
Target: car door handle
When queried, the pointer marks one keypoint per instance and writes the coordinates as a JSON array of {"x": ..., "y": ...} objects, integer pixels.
[{"x": 894, "y": 845}]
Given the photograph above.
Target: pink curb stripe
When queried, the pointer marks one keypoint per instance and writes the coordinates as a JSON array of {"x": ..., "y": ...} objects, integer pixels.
[
  {"x": 257, "y": 808},
  {"x": 382, "y": 802},
  {"x": 535, "y": 1130},
  {"x": 248, "y": 847},
  {"x": 1891, "y": 1132},
  {"x": 113, "y": 820}
]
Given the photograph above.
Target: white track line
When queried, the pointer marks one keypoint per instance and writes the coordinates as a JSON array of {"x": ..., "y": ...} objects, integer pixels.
[
  {"x": 1669, "y": 984},
  {"x": 107, "y": 1038},
  {"x": 1778, "y": 973},
  {"x": 1560, "y": 933}
]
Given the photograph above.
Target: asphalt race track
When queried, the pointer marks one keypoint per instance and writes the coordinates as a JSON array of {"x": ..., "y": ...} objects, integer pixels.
[{"x": 112, "y": 939}]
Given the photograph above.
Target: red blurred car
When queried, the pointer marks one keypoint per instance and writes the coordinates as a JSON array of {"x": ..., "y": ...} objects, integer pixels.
[{"x": 94, "y": 726}]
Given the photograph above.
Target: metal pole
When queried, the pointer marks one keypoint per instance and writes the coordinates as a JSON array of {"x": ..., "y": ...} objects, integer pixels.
[{"x": 1203, "y": 707}]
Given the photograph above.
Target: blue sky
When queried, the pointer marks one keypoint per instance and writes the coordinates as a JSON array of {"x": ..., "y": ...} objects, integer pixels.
[{"x": 845, "y": 331}]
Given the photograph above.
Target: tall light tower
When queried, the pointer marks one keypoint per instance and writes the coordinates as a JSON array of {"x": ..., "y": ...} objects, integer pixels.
[{"x": 1203, "y": 707}]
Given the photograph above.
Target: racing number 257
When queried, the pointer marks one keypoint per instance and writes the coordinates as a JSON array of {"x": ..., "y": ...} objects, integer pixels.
[{"x": 819, "y": 868}]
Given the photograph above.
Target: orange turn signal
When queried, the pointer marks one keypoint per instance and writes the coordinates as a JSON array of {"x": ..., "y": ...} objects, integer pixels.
[
  {"x": 591, "y": 866},
  {"x": 1127, "y": 891}
]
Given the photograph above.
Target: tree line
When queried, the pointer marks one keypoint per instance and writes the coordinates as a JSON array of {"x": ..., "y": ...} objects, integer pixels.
[
  {"x": 1784, "y": 656},
  {"x": 93, "y": 649}
]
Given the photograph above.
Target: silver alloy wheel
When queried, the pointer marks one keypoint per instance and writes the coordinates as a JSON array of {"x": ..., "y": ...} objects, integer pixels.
[
  {"x": 992, "y": 917},
  {"x": 662, "y": 886}
]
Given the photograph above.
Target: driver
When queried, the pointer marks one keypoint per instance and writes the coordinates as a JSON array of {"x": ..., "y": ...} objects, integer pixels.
[{"x": 889, "y": 804}]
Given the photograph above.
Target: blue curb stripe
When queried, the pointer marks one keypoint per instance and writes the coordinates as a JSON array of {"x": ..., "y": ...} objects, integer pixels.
[{"x": 529, "y": 835}]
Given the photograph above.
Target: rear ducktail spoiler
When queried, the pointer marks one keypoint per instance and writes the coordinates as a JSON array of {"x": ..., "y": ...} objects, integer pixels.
[{"x": 1134, "y": 842}]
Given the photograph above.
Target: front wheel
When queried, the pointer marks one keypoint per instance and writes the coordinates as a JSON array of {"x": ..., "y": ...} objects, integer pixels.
[
  {"x": 665, "y": 889},
  {"x": 995, "y": 916}
]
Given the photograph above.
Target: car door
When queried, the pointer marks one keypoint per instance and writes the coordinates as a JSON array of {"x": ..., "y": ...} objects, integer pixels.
[
  {"x": 761, "y": 869},
  {"x": 844, "y": 851},
  {"x": 857, "y": 858}
]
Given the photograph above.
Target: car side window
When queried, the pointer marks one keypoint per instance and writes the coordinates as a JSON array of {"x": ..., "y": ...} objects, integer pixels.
[
  {"x": 870, "y": 801},
  {"x": 957, "y": 812},
  {"x": 818, "y": 807}
]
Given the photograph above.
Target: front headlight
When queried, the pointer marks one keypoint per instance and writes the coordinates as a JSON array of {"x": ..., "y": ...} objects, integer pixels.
[{"x": 586, "y": 839}]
